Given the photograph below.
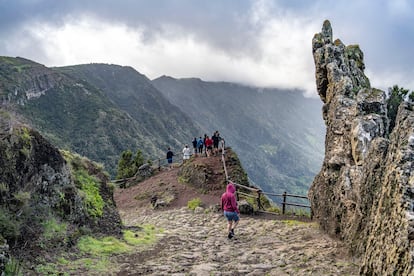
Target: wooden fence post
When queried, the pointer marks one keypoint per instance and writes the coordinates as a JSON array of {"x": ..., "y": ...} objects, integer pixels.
[
  {"x": 284, "y": 203},
  {"x": 259, "y": 204}
]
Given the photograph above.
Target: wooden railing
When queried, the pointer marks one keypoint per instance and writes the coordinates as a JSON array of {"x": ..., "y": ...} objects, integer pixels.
[
  {"x": 159, "y": 162},
  {"x": 162, "y": 162},
  {"x": 256, "y": 192}
]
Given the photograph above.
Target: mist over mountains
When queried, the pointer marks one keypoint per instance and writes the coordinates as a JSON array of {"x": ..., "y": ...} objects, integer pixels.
[
  {"x": 278, "y": 134},
  {"x": 100, "y": 110}
]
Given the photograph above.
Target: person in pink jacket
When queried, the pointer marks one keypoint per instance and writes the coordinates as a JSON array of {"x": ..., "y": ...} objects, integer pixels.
[{"x": 229, "y": 207}]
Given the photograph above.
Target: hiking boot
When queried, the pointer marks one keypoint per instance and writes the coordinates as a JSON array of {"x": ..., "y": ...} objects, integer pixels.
[
  {"x": 230, "y": 235},
  {"x": 232, "y": 232}
]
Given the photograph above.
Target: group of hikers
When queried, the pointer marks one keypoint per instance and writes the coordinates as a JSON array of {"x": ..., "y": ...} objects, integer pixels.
[
  {"x": 209, "y": 146},
  {"x": 206, "y": 146}
]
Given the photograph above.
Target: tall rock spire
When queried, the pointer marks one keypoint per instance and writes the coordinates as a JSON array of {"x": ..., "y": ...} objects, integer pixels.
[{"x": 360, "y": 194}]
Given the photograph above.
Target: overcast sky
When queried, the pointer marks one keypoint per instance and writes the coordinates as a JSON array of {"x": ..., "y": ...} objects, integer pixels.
[{"x": 261, "y": 43}]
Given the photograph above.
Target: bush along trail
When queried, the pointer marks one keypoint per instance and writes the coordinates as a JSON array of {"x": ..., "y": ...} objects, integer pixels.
[{"x": 196, "y": 243}]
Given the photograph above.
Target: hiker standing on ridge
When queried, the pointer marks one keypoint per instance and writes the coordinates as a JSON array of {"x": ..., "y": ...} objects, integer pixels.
[
  {"x": 195, "y": 146},
  {"x": 186, "y": 153},
  {"x": 208, "y": 142},
  {"x": 200, "y": 144},
  {"x": 230, "y": 210},
  {"x": 216, "y": 139},
  {"x": 170, "y": 155},
  {"x": 204, "y": 143}
]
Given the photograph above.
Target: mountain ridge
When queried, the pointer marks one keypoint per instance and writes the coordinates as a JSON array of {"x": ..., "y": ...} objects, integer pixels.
[{"x": 78, "y": 115}]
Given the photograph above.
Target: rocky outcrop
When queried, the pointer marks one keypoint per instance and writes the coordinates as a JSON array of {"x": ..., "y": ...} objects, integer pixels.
[
  {"x": 32, "y": 80},
  {"x": 41, "y": 187},
  {"x": 363, "y": 192}
]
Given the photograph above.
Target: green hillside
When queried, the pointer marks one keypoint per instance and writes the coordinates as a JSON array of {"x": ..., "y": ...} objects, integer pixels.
[
  {"x": 158, "y": 120},
  {"x": 77, "y": 115}
]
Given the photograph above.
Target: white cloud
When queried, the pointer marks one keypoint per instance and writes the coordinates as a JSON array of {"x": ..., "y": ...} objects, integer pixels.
[
  {"x": 283, "y": 58},
  {"x": 399, "y": 7},
  {"x": 276, "y": 53},
  {"x": 386, "y": 79}
]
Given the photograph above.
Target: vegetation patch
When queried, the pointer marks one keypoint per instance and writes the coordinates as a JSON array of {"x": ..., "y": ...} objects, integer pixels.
[
  {"x": 9, "y": 225},
  {"x": 194, "y": 203},
  {"x": 13, "y": 267},
  {"x": 54, "y": 230},
  {"x": 292, "y": 223},
  {"x": 89, "y": 185},
  {"x": 146, "y": 236},
  {"x": 102, "y": 246},
  {"x": 106, "y": 246}
]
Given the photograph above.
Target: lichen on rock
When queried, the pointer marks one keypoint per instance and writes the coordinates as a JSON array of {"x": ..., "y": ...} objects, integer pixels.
[{"x": 363, "y": 192}]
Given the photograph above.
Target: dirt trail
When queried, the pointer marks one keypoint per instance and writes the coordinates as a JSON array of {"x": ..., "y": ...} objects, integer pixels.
[{"x": 196, "y": 244}]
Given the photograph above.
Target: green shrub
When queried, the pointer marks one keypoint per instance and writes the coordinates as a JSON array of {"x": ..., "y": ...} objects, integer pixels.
[
  {"x": 274, "y": 209},
  {"x": 54, "y": 230},
  {"x": 9, "y": 225},
  {"x": 396, "y": 95},
  {"x": 89, "y": 185},
  {"x": 13, "y": 267},
  {"x": 194, "y": 203},
  {"x": 22, "y": 198}
]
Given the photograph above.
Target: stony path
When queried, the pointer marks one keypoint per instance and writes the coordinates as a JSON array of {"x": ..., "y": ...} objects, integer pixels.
[{"x": 196, "y": 244}]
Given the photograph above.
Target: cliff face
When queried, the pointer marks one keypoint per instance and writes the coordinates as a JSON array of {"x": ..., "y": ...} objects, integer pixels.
[
  {"x": 43, "y": 189},
  {"x": 363, "y": 192}
]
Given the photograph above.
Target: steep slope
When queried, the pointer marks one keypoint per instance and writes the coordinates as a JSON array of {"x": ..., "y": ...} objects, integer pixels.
[
  {"x": 364, "y": 191},
  {"x": 278, "y": 134},
  {"x": 158, "y": 120},
  {"x": 128, "y": 113},
  {"x": 48, "y": 198}
]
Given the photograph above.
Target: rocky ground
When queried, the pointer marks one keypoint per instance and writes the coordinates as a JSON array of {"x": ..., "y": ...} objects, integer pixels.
[{"x": 195, "y": 243}]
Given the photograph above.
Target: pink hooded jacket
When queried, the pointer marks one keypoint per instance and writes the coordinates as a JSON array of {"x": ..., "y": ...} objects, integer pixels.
[{"x": 228, "y": 199}]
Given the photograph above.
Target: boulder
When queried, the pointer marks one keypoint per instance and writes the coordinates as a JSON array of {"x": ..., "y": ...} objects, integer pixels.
[{"x": 245, "y": 207}]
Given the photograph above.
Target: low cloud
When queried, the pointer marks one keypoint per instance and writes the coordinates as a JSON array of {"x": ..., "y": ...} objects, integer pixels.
[{"x": 259, "y": 43}]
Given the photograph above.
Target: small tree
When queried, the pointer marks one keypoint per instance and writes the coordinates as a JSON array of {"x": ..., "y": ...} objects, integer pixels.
[
  {"x": 128, "y": 165},
  {"x": 138, "y": 160},
  {"x": 124, "y": 165},
  {"x": 395, "y": 96}
]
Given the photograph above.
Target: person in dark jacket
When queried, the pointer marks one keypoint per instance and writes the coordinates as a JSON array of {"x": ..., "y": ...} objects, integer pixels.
[
  {"x": 195, "y": 146},
  {"x": 230, "y": 210},
  {"x": 170, "y": 155},
  {"x": 216, "y": 140}
]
